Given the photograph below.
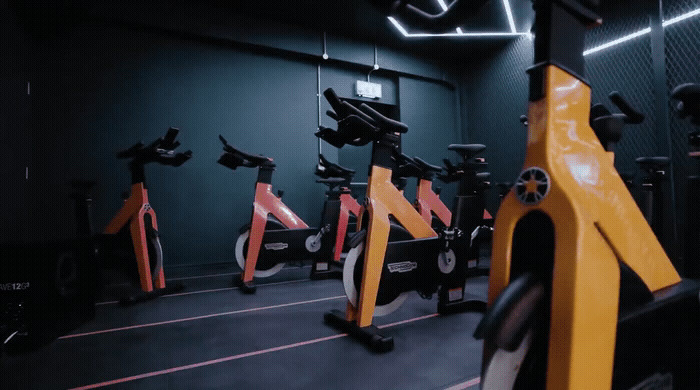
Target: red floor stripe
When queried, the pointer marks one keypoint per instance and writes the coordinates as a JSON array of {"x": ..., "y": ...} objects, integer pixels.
[
  {"x": 234, "y": 357},
  {"x": 407, "y": 321},
  {"x": 227, "y": 274},
  {"x": 207, "y": 363},
  {"x": 212, "y": 290},
  {"x": 466, "y": 385},
  {"x": 70, "y": 336}
]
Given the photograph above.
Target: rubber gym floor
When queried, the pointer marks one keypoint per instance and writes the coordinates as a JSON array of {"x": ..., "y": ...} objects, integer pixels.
[{"x": 211, "y": 336}]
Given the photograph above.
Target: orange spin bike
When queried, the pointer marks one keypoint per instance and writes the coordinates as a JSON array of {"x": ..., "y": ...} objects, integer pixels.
[
  {"x": 277, "y": 235},
  {"x": 396, "y": 250},
  {"x": 139, "y": 217}
]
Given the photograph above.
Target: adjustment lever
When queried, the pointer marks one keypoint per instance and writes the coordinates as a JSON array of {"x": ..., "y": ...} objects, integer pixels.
[{"x": 632, "y": 116}]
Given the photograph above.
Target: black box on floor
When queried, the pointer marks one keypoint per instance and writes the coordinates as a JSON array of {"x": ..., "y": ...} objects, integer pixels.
[{"x": 46, "y": 290}]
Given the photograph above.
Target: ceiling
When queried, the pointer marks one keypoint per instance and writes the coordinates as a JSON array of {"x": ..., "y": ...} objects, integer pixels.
[
  {"x": 355, "y": 19},
  {"x": 359, "y": 19}
]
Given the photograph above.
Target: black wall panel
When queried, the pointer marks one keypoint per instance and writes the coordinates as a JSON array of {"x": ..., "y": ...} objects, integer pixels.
[
  {"x": 104, "y": 86},
  {"x": 430, "y": 111},
  {"x": 496, "y": 94},
  {"x": 496, "y": 97}
]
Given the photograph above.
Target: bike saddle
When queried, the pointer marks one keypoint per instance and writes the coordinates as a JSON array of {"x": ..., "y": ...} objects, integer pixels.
[
  {"x": 652, "y": 163},
  {"x": 483, "y": 176},
  {"x": 326, "y": 169},
  {"x": 333, "y": 182},
  {"x": 233, "y": 158},
  {"x": 467, "y": 151},
  {"x": 688, "y": 96}
]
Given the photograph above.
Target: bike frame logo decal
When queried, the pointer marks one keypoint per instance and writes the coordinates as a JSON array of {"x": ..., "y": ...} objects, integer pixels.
[
  {"x": 276, "y": 246},
  {"x": 404, "y": 266},
  {"x": 532, "y": 186}
]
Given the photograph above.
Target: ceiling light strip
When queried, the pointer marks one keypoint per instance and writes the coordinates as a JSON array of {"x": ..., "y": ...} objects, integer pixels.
[
  {"x": 641, "y": 32},
  {"x": 398, "y": 26},
  {"x": 618, "y": 41},
  {"x": 509, "y": 14},
  {"x": 467, "y": 34},
  {"x": 458, "y": 33},
  {"x": 442, "y": 5},
  {"x": 681, "y": 17}
]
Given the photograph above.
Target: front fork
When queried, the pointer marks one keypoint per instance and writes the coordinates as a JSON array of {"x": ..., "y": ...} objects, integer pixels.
[{"x": 140, "y": 240}]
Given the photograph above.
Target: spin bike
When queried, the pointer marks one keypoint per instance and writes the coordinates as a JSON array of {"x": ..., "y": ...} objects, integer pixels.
[
  {"x": 395, "y": 251},
  {"x": 581, "y": 293},
  {"x": 688, "y": 106},
  {"x": 277, "y": 235},
  {"x": 470, "y": 218},
  {"x": 136, "y": 220}
]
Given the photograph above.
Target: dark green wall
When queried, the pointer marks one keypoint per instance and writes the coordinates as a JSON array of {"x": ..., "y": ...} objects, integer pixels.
[
  {"x": 496, "y": 96},
  {"x": 433, "y": 125},
  {"x": 112, "y": 82}
]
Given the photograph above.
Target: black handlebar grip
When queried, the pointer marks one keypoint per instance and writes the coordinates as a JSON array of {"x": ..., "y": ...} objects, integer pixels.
[
  {"x": 131, "y": 152},
  {"x": 168, "y": 142},
  {"x": 331, "y": 136},
  {"x": 633, "y": 116},
  {"x": 386, "y": 124},
  {"x": 333, "y": 100},
  {"x": 332, "y": 114},
  {"x": 351, "y": 110}
]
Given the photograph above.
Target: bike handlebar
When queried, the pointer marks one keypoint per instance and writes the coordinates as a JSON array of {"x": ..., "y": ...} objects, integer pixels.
[
  {"x": 162, "y": 151},
  {"x": 356, "y": 126},
  {"x": 632, "y": 116}
]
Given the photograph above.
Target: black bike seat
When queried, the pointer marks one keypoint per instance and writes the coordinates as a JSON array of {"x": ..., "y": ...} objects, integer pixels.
[
  {"x": 483, "y": 175},
  {"x": 328, "y": 169},
  {"x": 331, "y": 180},
  {"x": 655, "y": 162},
  {"x": 688, "y": 96},
  {"x": 687, "y": 92},
  {"x": 467, "y": 150},
  {"x": 425, "y": 166}
]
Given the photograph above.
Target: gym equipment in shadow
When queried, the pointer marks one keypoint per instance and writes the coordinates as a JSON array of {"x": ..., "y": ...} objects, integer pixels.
[
  {"x": 470, "y": 218},
  {"x": 581, "y": 293},
  {"x": 609, "y": 127},
  {"x": 339, "y": 200},
  {"x": 276, "y": 235},
  {"x": 687, "y": 99},
  {"x": 46, "y": 290},
  {"x": 134, "y": 229},
  {"x": 395, "y": 251}
]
